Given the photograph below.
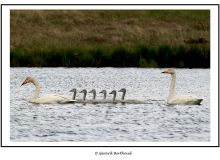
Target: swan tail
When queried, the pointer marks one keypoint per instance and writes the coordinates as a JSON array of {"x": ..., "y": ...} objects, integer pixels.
[
  {"x": 199, "y": 101},
  {"x": 68, "y": 101}
]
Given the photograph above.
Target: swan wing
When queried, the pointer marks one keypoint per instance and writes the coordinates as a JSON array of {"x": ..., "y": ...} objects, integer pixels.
[
  {"x": 186, "y": 99},
  {"x": 53, "y": 98},
  {"x": 63, "y": 99},
  {"x": 62, "y": 96}
]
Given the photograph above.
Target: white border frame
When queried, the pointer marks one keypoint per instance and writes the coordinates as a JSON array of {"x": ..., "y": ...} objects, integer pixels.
[{"x": 6, "y": 76}]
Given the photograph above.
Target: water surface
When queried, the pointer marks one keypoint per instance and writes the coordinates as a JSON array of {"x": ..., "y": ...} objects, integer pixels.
[{"x": 154, "y": 121}]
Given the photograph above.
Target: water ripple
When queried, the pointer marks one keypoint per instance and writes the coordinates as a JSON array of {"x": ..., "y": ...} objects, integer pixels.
[{"x": 155, "y": 121}]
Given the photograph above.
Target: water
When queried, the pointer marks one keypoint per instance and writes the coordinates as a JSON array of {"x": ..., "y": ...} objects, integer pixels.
[{"x": 154, "y": 121}]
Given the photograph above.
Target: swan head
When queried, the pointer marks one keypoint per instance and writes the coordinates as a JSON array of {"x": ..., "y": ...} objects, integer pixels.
[
  {"x": 27, "y": 80},
  {"x": 103, "y": 91},
  {"x": 92, "y": 91},
  {"x": 73, "y": 90},
  {"x": 113, "y": 92},
  {"x": 83, "y": 91},
  {"x": 170, "y": 71},
  {"x": 122, "y": 90}
]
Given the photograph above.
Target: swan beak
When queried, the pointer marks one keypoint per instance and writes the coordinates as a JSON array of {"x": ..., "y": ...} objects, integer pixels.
[
  {"x": 81, "y": 91},
  {"x": 166, "y": 71},
  {"x": 72, "y": 90},
  {"x": 24, "y": 82}
]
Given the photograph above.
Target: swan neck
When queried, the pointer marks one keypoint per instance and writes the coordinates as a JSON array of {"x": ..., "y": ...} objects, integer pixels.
[
  {"x": 172, "y": 86},
  {"x": 84, "y": 97},
  {"x": 114, "y": 97},
  {"x": 74, "y": 95},
  {"x": 104, "y": 96},
  {"x": 123, "y": 95},
  {"x": 94, "y": 94},
  {"x": 37, "y": 91}
]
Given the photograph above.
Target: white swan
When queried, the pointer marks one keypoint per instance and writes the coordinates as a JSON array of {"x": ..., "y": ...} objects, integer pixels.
[
  {"x": 50, "y": 98},
  {"x": 123, "y": 90},
  {"x": 184, "y": 99}
]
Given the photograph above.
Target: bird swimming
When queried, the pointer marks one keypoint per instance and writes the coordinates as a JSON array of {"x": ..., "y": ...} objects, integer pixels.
[
  {"x": 50, "y": 98},
  {"x": 123, "y": 90},
  {"x": 184, "y": 99}
]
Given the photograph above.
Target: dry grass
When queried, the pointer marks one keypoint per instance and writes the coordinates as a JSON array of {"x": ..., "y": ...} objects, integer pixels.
[{"x": 91, "y": 28}]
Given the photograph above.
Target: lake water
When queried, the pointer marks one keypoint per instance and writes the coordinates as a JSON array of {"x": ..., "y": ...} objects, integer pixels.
[{"x": 154, "y": 121}]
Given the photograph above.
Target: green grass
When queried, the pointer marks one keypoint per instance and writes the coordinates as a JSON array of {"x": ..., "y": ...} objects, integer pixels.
[
  {"x": 193, "y": 56},
  {"x": 103, "y": 38}
]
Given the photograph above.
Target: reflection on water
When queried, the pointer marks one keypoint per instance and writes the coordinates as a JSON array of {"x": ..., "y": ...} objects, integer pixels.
[{"x": 153, "y": 121}]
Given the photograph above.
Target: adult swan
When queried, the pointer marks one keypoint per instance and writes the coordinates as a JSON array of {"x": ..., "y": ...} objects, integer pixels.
[
  {"x": 50, "y": 98},
  {"x": 184, "y": 99}
]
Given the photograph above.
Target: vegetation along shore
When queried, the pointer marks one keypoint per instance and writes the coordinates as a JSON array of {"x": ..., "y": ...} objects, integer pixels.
[{"x": 110, "y": 38}]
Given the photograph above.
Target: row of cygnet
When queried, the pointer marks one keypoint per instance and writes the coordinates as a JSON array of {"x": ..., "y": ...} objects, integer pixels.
[{"x": 104, "y": 100}]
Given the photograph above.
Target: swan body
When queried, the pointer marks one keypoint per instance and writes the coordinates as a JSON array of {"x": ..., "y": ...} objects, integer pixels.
[
  {"x": 49, "y": 99},
  {"x": 184, "y": 99},
  {"x": 134, "y": 101}
]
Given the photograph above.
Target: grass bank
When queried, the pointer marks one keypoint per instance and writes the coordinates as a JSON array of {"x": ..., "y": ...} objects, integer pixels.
[{"x": 103, "y": 38}]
